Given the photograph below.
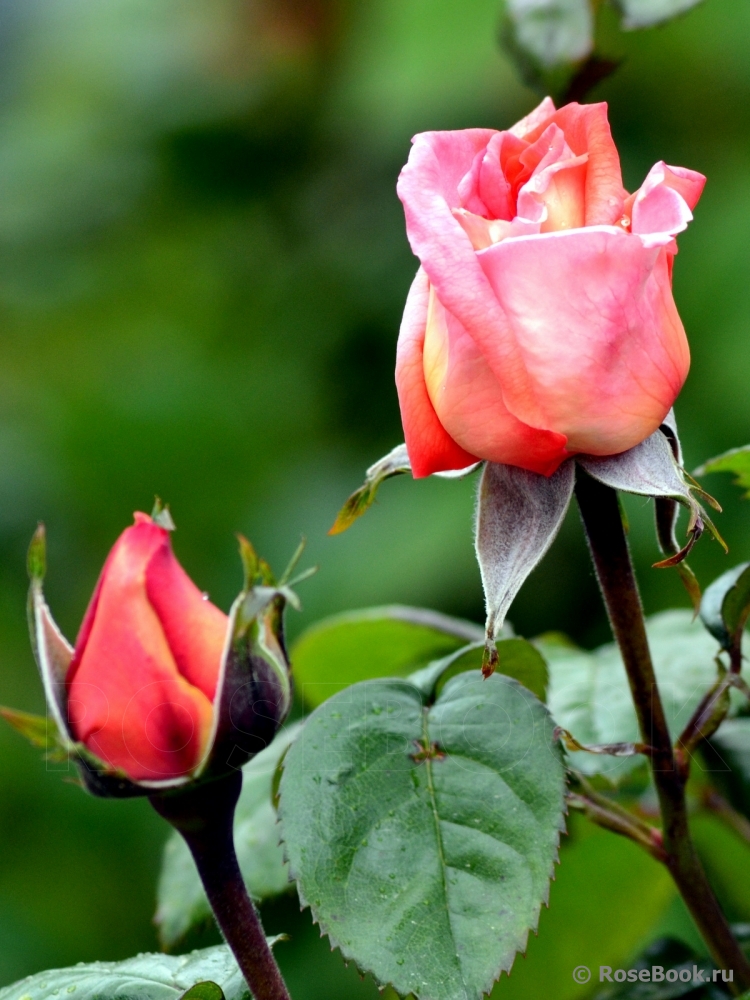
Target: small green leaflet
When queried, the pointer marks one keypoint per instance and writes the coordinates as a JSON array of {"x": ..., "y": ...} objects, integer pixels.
[
  {"x": 424, "y": 837},
  {"x": 147, "y": 977},
  {"x": 737, "y": 461},
  {"x": 517, "y": 658},
  {"x": 390, "y": 641},
  {"x": 589, "y": 694},
  {"x": 204, "y": 991},
  {"x": 182, "y": 903},
  {"x": 395, "y": 463},
  {"x": 726, "y": 605}
]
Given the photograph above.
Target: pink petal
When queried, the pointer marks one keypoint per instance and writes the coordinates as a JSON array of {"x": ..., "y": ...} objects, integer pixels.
[
  {"x": 431, "y": 448},
  {"x": 539, "y": 116},
  {"x": 484, "y": 232},
  {"x": 587, "y": 131},
  {"x": 593, "y": 314},
  {"x": 456, "y": 152},
  {"x": 494, "y": 187},
  {"x": 554, "y": 195},
  {"x": 427, "y": 188},
  {"x": 469, "y": 403},
  {"x": 663, "y": 204},
  {"x": 468, "y": 187}
]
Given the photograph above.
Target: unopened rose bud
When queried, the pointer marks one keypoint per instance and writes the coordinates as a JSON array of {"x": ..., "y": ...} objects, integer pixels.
[
  {"x": 163, "y": 688},
  {"x": 142, "y": 682}
]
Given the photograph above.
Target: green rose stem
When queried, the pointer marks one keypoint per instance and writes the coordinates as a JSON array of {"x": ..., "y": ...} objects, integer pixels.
[
  {"x": 204, "y": 816},
  {"x": 602, "y": 521}
]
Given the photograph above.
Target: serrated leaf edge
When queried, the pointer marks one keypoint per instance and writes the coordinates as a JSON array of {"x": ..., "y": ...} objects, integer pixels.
[{"x": 520, "y": 945}]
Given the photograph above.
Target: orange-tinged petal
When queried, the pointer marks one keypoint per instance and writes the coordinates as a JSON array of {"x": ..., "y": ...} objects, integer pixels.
[
  {"x": 468, "y": 401},
  {"x": 563, "y": 195},
  {"x": 554, "y": 194},
  {"x": 431, "y": 448},
  {"x": 127, "y": 700},
  {"x": 195, "y": 629},
  {"x": 587, "y": 130}
]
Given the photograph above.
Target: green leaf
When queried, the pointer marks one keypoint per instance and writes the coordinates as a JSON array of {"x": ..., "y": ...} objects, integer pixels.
[
  {"x": 390, "y": 641},
  {"x": 182, "y": 903},
  {"x": 589, "y": 694},
  {"x": 424, "y": 838},
  {"x": 577, "y": 929},
  {"x": 726, "y": 605},
  {"x": 544, "y": 35},
  {"x": 737, "y": 461},
  {"x": 147, "y": 977},
  {"x": 517, "y": 658},
  {"x": 204, "y": 991},
  {"x": 646, "y": 13}
]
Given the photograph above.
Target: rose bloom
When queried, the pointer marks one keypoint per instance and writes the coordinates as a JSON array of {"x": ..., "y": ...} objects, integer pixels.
[
  {"x": 143, "y": 678},
  {"x": 541, "y": 322}
]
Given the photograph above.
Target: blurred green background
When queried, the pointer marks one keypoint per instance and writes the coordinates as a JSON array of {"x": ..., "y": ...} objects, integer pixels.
[{"x": 202, "y": 270}]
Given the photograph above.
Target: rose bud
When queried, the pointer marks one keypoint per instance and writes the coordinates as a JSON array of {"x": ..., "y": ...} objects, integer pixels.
[
  {"x": 541, "y": 322},
  {"x": 162, "y": 687}
]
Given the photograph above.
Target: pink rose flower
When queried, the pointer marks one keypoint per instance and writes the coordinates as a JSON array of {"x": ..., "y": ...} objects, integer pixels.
[{"x": 541, "y": 323}]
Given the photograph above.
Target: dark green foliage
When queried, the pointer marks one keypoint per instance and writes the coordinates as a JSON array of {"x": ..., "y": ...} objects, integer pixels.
[
  {"x": 423, "y": 838},
  {"x": 391, "y": 641},
  {"x": 211, "y": 974},
  {"x": 590, "y": 697},
  {"x": 736, "y": 461},
  {"x": 726, "y": 605}
]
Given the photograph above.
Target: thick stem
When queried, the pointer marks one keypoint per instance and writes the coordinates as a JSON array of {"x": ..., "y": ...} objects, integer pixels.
[
  {"x": 205, "y": 818},
  {"x": 609, "y": 549}
]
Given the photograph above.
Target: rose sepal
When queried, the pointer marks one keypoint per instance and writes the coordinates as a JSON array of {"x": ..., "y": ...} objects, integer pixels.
[
  {"x": 253, "y": 694},
  {"x": 53, "y": 655},
  {"x": 395, "y": 463}
]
